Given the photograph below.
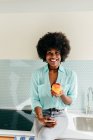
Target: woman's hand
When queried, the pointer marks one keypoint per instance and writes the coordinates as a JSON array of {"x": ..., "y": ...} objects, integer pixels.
[
  {"x": 47, "y": 121},
  {"x": 56, "y": 94}
]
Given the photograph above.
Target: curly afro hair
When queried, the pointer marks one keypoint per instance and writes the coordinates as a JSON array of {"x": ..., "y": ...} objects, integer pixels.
[{"x": 56, "y": 40}]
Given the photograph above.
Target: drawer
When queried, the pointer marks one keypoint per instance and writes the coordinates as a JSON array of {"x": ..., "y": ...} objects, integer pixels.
[{"x": 6, "y": 138}]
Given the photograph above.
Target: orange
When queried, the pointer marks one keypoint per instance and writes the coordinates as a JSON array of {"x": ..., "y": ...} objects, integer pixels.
[{"x": 56, "y": 88}]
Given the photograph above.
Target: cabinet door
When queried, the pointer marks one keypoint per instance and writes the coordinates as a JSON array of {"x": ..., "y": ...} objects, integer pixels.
[{"x": 6, "y": 138}]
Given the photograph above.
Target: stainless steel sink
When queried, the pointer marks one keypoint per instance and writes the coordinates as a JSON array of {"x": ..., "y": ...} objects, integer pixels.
[{"x": 83, "y": 123}]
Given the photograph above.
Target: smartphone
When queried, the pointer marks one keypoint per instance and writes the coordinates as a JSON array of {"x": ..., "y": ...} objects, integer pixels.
[{"x": 50, "y": 121}]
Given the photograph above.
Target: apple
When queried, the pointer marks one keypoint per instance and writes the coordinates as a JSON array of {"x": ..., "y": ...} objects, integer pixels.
[{"x": 56, "y": 88}]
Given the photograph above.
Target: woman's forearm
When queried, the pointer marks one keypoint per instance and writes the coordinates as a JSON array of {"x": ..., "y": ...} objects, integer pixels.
[
  {"x": 38, "y": 111},
  {"x": 66, "y": 99}
]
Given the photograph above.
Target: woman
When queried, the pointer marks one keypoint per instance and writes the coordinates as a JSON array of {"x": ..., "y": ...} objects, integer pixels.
[{"x": 49, "y": 107}]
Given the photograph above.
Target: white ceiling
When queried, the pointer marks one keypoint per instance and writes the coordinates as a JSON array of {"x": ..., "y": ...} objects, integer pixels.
[{"x": 45, "y": 5}]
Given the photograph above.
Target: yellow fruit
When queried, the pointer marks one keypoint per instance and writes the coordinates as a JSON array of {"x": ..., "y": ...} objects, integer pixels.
[{"x": 56, "y": 88}]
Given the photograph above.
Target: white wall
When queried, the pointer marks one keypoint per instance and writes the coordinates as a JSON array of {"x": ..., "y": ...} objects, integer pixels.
[{"x": 19, "y": 33}]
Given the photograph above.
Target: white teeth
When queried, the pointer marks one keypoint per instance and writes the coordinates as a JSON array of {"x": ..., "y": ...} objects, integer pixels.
[{"x": 53, "y": 60}]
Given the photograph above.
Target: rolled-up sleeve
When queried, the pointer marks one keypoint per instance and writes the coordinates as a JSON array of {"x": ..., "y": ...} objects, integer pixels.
[
  {"x": 35, "y": 101},
  {"x": 72, "y": 92}
]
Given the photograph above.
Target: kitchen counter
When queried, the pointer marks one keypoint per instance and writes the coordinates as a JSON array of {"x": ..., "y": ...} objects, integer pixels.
[
  {"x": 70, "y": 133},
  {"x": 14, "y": 122}
]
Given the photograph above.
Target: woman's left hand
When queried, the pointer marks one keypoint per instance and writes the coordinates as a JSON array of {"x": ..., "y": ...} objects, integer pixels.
[{"x": 56, "y": 94}]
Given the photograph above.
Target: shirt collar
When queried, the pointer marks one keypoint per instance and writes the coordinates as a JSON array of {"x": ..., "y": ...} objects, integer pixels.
[{"x": 61, "y": 68}]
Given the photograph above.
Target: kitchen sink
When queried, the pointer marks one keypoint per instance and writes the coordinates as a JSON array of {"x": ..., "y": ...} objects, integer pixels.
[{"x": 83, "y": 123}]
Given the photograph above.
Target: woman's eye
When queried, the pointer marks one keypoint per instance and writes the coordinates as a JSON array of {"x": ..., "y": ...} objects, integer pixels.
[
  {"x": 48, "y": 53},
  {"x": 57, "y": 52},
  {"x": 51, "y": 53}
]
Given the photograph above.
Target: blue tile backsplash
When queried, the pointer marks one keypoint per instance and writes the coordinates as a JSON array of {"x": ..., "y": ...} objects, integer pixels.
[{"x": 15, "y": 81}]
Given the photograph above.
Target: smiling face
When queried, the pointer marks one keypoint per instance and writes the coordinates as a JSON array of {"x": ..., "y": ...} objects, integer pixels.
[{"x": 53, "y": 58}]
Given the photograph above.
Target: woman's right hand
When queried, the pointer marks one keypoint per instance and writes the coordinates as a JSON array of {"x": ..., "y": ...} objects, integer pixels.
[{"x": 45, "y": 121}]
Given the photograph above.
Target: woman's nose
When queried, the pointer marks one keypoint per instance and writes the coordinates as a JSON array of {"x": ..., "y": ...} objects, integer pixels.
[{"x": 53, "y": 54}]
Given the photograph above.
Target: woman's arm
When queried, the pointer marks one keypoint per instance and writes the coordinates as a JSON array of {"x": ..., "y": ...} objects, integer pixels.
[
  {"x": 72, "y": 92},
  {"x": 66, "y": 99},
  {"x": 38, "y": 111},
  {"x": 44, "y": 120}
]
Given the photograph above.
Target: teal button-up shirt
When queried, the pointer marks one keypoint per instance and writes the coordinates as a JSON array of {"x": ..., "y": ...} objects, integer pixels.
[{"x": 41, "y": 88}]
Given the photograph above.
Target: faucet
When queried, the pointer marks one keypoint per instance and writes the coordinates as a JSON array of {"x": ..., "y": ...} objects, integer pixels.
[{"x": 90, "y": 91}]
